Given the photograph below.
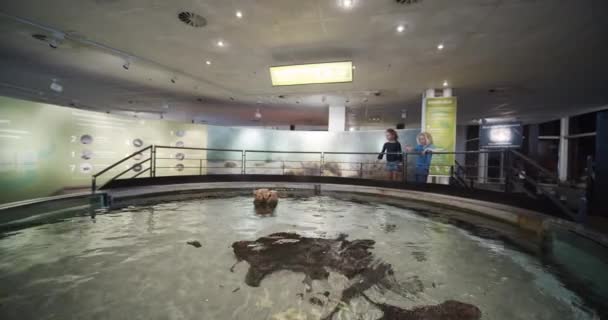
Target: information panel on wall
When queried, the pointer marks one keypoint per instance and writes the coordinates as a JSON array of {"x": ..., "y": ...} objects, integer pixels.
[
  {"x": 47, "y": 149},
  {"x": 500, "y": 135},
  {"x": 440, "y": 123}
]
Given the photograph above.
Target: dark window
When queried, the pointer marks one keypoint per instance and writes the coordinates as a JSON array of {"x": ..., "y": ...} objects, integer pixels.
[
  {"x": 550, "y": 128},
  {"x": 578, "y": 151},
  {"x": 583, "y": 124}
]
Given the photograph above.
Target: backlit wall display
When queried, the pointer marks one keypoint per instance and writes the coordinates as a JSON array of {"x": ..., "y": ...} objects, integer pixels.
[
  {"x": 332, "y": 72},
  {"x": 440, "y": 123},
  {"x": 47, "y": 149},
  {"x": 500, "y": 135}
]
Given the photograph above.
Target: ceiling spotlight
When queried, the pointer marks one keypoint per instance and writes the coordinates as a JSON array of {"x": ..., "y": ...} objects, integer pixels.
[
  {"x": 445, "y": 83},
  {"x": 239, "y": 14},
  {"x": 208, "y": 62},
  {"x": 56, "y": 86},
  {"x": 220, "y": 43},
  {"x": 347, "y": 4},
  {"x": 440, "y": 46},
  {"x": 257, "y": 115},
  {"x": 127, "y": 65},
  {"x": 53, "y": 43},
  {"x": 404, "y": 114},
  {"x": 173, "y": 80},
  {"x": 351, "y": 129},
  {"x": 400, "y": 28}
]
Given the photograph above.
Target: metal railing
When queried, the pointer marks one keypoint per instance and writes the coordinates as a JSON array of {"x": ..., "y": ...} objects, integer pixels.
[
  {"x": 158, "y": 161},
  {"x": 497, "y": 170}
]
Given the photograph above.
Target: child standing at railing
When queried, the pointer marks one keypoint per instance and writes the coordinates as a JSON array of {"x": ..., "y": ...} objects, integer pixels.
[
  {"x": 424, "y": 148},
  {"x": 393, "y": 151}
]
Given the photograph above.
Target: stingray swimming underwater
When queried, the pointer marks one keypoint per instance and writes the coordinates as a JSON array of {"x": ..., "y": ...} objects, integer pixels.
[{"x": 315, "y": 257}]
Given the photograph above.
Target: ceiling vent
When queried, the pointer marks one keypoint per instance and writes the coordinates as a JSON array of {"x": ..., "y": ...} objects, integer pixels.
[
  {"x": 192, "y": 19},
  {"x": 408, "y": 1}
]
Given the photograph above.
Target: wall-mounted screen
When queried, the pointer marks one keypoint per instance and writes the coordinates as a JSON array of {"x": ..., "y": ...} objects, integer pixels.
[{"x": 500, "y": 135}]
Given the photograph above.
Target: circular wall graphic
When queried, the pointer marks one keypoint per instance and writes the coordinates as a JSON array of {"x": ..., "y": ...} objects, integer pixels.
[
  {"x": 180, "y": 133},
  {"x": 138, "y": 143},
  {"x": 179, "y": 167},
  {"x": 86, "y": 139},
  {"x": 179, "y": 144},
  {"x": 86, "y": 154},
  {"x": 138, "y": 156},
  {"x": 86, "y": 167},
  {"x": 137, "y": 168},
  {"x": 180, "y": 156}
]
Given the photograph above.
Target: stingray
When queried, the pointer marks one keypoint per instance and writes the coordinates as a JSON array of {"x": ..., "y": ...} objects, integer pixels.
[{"x": 316, "y": 257}]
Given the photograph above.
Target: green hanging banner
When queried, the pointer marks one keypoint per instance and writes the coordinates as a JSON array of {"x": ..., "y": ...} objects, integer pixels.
[{"x": 440, "y": 123}]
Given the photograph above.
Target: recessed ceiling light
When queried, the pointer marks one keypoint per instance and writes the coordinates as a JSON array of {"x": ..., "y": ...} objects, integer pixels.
[
  {"x": 347, "y": 4},
  {"x": 220, "y": 43},
  {"x": 440, "y": 46},
  {"x": 208, "y": 62},
  {"x": 351, "y": 129},
  {"x": 239, "y": 14},
  {"x": 445, "y": 83},
  {"x": 400, "y": 28}
]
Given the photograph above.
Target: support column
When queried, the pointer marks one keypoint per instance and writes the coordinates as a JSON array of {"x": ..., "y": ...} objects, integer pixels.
[
  {"x": 599, "y": 201},
  {"x": 337, "y": 119},
  {"x": 562, "y": 162}
]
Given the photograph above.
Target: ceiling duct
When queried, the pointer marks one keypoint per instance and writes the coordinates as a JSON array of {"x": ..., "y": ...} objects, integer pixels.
[
  {"x": 408, "y": 2},
  {"x": 192, "y": 19}
]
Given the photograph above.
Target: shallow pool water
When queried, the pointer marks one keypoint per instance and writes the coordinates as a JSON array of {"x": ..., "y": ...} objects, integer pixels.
[{"x": 136, "y": 263}]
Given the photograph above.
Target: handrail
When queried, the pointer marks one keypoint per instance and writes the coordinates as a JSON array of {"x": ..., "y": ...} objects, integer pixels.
[
  {"x": 537, "y": 166},
  {"x": 121, "y": 161},
  {"x": 551, "y": 197},
  {"x": 130, "y": 168},
  {"x": 457, "y": 176},
  {"x": 199, "y": 149},
  {"x": 294, "y": 152}
]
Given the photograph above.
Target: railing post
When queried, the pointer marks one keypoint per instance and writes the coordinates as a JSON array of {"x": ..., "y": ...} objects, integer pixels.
[
  {"x": 361, "y": 170},
  {"x": 244, "y": 162},
  {"x": 502, "y": 165},
  {"x": 200, "y": 167},
  {"x": 93, "y": 185},
  {"x": 322, "y": 164},
  {"x": 283, "y": 166},
  {"x": 507, "y": 172},
  {"x": 405, "y": 167},
  {"x": 153, "y": 161}
]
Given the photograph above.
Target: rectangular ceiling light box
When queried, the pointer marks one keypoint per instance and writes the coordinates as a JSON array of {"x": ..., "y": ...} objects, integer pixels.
[{"x": 332, "y": 72}]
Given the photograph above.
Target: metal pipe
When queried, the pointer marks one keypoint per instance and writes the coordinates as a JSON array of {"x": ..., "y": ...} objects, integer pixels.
[{"x": 121, "y": 161}]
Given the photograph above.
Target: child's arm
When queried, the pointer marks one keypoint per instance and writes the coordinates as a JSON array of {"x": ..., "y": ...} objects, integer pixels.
[{"x": 382, "y": 152}]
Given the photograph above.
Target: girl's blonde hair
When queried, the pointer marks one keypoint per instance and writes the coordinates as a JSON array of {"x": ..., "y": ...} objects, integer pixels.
[{"x": 428, "y": 136}]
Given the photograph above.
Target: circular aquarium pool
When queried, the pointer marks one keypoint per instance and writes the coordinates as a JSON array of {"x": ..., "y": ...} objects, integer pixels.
[{"x": 315, "y": 257}]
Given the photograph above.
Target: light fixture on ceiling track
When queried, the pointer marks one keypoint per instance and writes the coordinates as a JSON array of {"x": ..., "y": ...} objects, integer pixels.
[
  {"x": 257, "y": 116},
  {"x": 55, "y": 86},
  {"x": 445, "y": 83},
  {"x": 400, "y": 28},
  {"x": 127, "y": 64},
  {"x": 403, "y": 114},
  {"x": 440, "y": 46},
  {"x": 239, "y": 14},
  {"x": 208, "y": 62}
]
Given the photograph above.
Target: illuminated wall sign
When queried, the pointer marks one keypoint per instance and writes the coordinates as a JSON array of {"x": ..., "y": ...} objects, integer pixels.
[
  {"x": 332, "y": 72},
  {"x": 500, "y": 135}
]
